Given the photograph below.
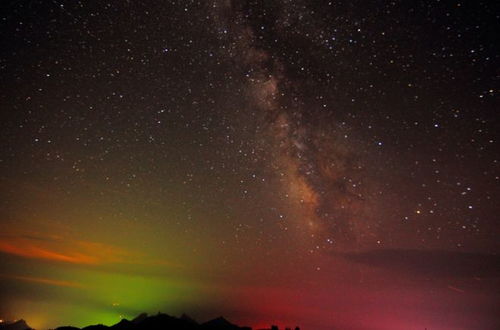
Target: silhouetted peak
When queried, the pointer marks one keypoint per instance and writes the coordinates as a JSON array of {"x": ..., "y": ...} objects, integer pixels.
[
  {"x": 160, "y": 317},
  {"x": 139, "y": 318},
  {"x": 16, "y": 325},
  {"x": 96, "y": 327},
  {"x": 123, "y": 324},
  {"x": 218, "y": 320},
  {"x": 219, "y": 323}
]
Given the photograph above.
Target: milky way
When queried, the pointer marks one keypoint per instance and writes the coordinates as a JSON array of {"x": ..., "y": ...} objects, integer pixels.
[{"x": 317, "y": 169}]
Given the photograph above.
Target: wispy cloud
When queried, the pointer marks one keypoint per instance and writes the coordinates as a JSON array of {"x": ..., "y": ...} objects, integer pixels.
[
  {"x": 54, "y": 248},
  {"x": 42, "y": 280},
  {"x": 20, "y": 248},
  {"x": 63, "y": 250}
]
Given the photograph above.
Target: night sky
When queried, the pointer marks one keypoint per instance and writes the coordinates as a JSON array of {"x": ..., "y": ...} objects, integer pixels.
[{"x": 328, "y": 164}]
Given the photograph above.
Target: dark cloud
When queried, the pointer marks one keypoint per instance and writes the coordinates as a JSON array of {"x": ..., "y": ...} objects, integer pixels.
[{"x": 432, "y": 263}]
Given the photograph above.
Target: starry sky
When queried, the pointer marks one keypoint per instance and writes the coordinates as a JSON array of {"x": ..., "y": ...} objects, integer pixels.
[{"x": 329, "y": 164}]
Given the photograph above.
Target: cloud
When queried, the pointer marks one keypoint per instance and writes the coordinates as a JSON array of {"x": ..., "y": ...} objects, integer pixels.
[
  {"x": 433, "y": 263},
  {"x": 42, "y": 280},
  {"x": 53, "y": 248},
  {"x": 36, "y": 252},
  {"x": 63, "y": 250}
]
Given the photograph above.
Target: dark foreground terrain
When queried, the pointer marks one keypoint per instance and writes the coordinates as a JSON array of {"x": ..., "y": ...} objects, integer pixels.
[{"x": 159, "y": 321}]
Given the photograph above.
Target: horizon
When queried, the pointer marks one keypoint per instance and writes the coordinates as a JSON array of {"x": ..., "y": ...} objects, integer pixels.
[{"x": 183, "y": 316}]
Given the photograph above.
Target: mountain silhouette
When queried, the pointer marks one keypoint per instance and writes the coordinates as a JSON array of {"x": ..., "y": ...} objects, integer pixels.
[
  {"x": 96, "y": 327},
  {"x": 221, "y": 323},
  {"x": 17, "y": 325},
  {"x": 159, "y": 321},
  {"x": 124, "y": 324}
]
